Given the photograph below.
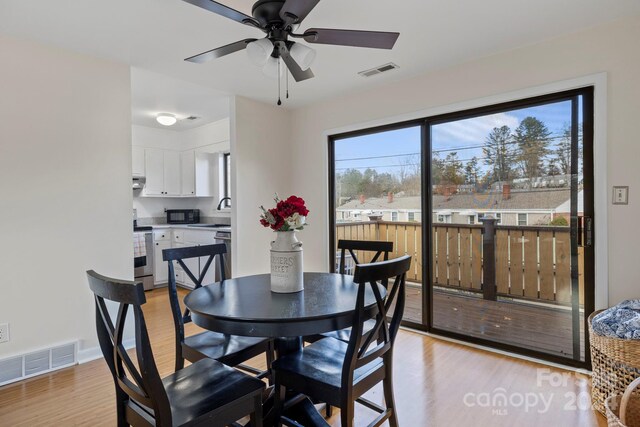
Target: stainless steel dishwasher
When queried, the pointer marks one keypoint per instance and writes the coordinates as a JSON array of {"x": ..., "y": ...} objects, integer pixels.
[{"x": 225, "y": 237}]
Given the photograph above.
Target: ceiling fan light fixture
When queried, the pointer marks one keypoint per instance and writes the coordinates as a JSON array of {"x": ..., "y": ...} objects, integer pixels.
[
  {"x": 166, "y": 119},
  {"x": 273, "y": 68},
  {"x": 260, "y": 51},
  {"x": 303, "y": 55}
]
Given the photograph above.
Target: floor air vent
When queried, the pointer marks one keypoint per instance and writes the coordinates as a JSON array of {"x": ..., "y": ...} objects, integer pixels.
[
  {"x": 39, "y": 362},
  {"x": 378, "y": 70}
]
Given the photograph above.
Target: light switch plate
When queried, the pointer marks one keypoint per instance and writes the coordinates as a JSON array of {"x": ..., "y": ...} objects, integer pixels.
[{"x": 620, "y": 195}]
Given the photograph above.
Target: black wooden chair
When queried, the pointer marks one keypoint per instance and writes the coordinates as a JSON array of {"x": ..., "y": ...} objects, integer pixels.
[
  {"x": 206, "y": 392},
  {"x": 339, "y": 373},
  {"x": 232, "y": 350},
  {"x": 381, "y": 249}
]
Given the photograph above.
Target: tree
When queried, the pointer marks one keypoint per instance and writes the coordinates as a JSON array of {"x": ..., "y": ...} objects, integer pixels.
[
  {"x": 532, "y": 138},
  {"x": 350, "y": 183},
  {"x": 499, "y": 153},
  {"x": 563, "y": 151},
  {"x": 437, "y": 169},
  {"x": 409, "y": 175},
  {"x": 471, "y": 171},
  {"x": 452, "y": 172},
  {"x": 552, "y": 168}
]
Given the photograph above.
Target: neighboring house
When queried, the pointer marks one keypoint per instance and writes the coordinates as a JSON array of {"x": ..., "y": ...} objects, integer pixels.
[{"x": 533, "y": 207}]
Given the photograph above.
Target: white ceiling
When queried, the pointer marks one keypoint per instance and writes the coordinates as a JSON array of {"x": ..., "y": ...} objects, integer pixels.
[
  {"x": 158, "y": 34},
  {"x": 153, "y": 93}
]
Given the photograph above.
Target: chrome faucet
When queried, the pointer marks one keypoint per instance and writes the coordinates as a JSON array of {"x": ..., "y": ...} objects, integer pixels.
[{"x": 222, "y": 201}]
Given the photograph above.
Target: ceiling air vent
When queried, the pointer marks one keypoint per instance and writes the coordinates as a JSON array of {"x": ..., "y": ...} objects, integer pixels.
[{"x": 377, "y": 70}]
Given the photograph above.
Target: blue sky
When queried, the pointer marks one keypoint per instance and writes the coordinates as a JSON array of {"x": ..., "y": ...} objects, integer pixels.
[{"x": 395, "y": 147}]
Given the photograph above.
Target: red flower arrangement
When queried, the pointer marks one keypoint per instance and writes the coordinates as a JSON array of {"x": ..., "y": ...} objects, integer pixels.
[{"x": 288, "y": 215}]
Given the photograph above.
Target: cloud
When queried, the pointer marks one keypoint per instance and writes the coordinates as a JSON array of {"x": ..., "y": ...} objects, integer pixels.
[{"x": 470, "y": 131}]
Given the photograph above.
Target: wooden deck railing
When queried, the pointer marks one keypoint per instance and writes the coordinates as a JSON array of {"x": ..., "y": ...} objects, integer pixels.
[{"x": 531, "y": 262}]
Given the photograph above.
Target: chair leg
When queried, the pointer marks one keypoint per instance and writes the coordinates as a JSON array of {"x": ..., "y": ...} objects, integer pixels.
[
  {"x": 256, "y": 415},
  {"x": 179, "y": 362},
  {"x": 278, "y": 405},
  {"x": 387, "y": 385},
  {"x": 121, "y": 402},
  {"x": 270, "y": 359},
  {"x": 329, "y": 411},
  {"x": 346, "y": 413},
  {"x": 179, "y": 357}
]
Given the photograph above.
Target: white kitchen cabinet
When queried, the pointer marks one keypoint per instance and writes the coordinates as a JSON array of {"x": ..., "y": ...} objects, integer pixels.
[
  {"x": 161, "y": 273},
  {"x": 154, "y": 170},
  {"x": 199, "y": 174},
  {"x": 171, "y": 173},
  {"x": 188, "y": 165},
  {"x": 137, "y": 161},
  {"x": 162, "y": 169}
]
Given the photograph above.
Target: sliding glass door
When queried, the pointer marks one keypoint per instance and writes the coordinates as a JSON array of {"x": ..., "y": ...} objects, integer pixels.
[
  {"x": 509, "y": 186},
  {"x": 495, "y": 205},
  {"x": 377, "y": 195}
]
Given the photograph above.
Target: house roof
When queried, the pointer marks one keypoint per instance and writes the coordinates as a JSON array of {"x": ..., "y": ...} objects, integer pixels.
[{"x": 519, "y": 200}]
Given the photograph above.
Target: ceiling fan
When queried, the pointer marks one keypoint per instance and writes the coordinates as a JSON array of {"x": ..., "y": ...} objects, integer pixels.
[{"x": 279, "y": 19}]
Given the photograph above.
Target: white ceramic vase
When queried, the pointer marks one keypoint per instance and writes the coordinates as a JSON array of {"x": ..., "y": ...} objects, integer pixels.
[{"x": 286, "y": 263}]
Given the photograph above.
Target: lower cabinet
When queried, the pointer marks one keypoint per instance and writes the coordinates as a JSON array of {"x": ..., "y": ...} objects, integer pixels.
[
  {"x": 181, "y": 238},
  {"x": 161, "y": 268}
]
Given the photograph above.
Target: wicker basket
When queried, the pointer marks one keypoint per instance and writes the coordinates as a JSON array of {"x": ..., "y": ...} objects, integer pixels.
[
  {"x": 615, "y": 363},
  {"x": 623, "y": 410}
]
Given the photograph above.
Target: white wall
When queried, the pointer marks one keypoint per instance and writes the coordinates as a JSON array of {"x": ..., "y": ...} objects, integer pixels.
[
  {"x": 261, "y": 166},
  {"x": 212, "y": 138},
  {"x": 65, "y": 197},
  {"x": 612, "y": 48}
]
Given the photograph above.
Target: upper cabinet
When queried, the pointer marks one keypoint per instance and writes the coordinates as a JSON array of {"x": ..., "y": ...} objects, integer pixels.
[
  {"x": 162, "y": 169},
  {"x": 180, "y": 164},
  {"x": 199, "y": 174},
  {"x": 137, "y": 161},
  {"x": 187, "y": 174}
]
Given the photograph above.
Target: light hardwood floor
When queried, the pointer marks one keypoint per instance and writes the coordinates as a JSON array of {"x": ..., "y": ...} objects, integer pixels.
[{"x": 437, "y": 383}]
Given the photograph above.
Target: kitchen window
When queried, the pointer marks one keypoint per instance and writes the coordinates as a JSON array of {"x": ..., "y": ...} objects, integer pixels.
[{"x": 226, "y": 174}]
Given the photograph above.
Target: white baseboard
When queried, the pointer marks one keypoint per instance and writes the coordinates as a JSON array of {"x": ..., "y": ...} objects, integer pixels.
[{"x": 93, "y": 353}]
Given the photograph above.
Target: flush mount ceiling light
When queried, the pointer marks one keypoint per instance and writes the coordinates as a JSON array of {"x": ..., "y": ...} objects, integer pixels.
[{"x": 166, "y": 119}]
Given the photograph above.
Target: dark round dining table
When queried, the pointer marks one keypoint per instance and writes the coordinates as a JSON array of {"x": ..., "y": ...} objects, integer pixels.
[{"x": 247, "y": 306}]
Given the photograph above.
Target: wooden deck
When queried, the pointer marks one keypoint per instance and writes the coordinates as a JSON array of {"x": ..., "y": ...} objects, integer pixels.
[{"x": 544, "y": 328}]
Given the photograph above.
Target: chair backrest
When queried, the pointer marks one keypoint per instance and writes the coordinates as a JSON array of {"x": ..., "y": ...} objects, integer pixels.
[
  {"x": 380, "y": 248},
  {"x": 197, "y": 277},
  {"x": 142, "y": 384},
  {"x": 363, "y": 349}
]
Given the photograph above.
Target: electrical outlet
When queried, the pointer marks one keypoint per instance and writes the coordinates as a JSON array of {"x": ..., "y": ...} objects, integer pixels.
[{"x": 4, "y": 332}]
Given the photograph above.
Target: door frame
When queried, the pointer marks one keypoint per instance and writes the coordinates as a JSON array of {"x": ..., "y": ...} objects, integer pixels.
[
  {"x": 600, "y": 186},
  {"x": 588, "y": 174}
]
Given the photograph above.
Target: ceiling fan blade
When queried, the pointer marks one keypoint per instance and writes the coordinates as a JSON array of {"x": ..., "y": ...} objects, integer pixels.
[
  {"x": 294, "y": 11},
  {"x": 298, "y": 73},
  {"x": 372, "y": 39},
  {"x": 220, "y": 51},
  {"x": 225, "y": 11}
]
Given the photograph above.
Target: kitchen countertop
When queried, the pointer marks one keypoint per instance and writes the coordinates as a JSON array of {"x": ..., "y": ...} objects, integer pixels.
[{"x": 189, "y": 227}]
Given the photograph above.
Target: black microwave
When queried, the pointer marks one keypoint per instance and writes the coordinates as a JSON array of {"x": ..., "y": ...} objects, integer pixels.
[{"x": 183, "y": 216}]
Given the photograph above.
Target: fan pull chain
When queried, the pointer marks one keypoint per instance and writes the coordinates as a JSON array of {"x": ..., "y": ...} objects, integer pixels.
[
  {"x": 279, "y": 78},
  {"x": 287, "y": 80}
]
